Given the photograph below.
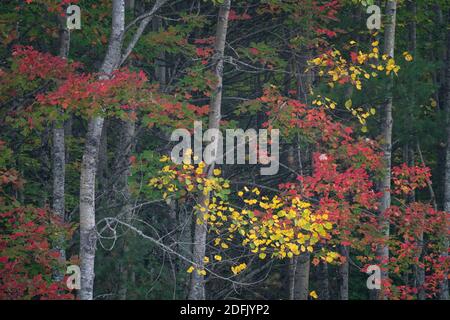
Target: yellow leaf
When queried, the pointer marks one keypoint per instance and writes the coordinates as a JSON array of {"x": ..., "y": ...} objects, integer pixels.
[
  {"x": 348, "y": 104},
  {"x": 313, "y": 294},
  {"x": 201, "y": 272},
  {"x": 191, "y": 268},
  {"x": 262, "y": 256},
  {"x": 218, "y": 258}
]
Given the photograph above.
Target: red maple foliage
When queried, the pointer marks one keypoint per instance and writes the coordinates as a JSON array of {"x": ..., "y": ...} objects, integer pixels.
[{"x": 27, "y": 261}]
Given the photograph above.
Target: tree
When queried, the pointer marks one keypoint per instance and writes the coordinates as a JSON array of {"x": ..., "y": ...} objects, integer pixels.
[
  {"x": 112, "y": 61},
  {"x": 197, "y": 287},
  {"x": 385, "y": 184},
  {"x": 348, "y": 194},
  {"x": 444, "y": 293}
]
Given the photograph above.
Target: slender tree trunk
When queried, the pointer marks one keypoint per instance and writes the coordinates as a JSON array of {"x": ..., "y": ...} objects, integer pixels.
[
  {"x": 292, "y": 269},
  {"x": 123, "y": 169},
  {"x": 102, "y": 170},
  {"x": 113, "y": 59},
  {"x": 299, "y": 267},
  {"x": 197, "y": 286},
  {"x": 88, "y": 235},
  {"x": 59, "y": 153},
  {"x": 121, "y": 192},
  {"x": 444, "y": 293},
  {"x": 323, "y": 283},
  {"x": 301, "y": 288},
  {"x": 419, "y": 272},
  {"x": 344, "y": 274},
  {"x": 344, "y": 268},
  {"x": 160, "y": 63},
  {"x": 292, "y": 264},
  {"x": 383, "y": 250},
  {"x": 58, "y": 169},
  {"x": 303, "y": 81}
]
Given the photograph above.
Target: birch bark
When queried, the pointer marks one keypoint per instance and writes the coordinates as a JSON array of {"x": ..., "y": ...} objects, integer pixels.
[
  {"x": 385, "y": 185},
  {"x": 197, "y": 284}
]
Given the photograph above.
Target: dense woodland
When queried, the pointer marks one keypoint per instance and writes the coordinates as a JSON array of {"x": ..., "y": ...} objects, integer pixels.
[{"x": 87, "y": 178}]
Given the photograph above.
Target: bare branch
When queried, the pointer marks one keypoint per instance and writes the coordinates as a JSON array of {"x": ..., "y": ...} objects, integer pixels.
[{"x": 144, "y": 21}]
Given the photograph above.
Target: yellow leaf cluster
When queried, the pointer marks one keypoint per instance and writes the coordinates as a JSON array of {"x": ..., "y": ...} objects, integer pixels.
[{"x": 239, "y": 268}]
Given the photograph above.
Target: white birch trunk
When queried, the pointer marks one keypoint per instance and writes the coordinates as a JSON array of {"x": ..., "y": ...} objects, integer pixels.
[
  {"x": 88, "y": 234},
  {"x": 385, "y": 185},
  {"x": 197, "y": 285}
]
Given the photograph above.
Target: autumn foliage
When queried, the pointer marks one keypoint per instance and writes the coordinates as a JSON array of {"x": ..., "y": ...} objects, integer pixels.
[
  {"x": 27, "y": 261},
  {"x": 298, "y": 72}
]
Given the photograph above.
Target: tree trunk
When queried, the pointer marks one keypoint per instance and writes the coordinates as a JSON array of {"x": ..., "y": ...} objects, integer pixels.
[
  {"x": 123, "y": 171},
  {"x": 292, "y": 269},
  {"x": 301, "y": 288},
  {"x": 59, "y": 153},
  {"x": 419, "y": 272},
  {"x": 292, "y": 264},
  {"x": 88, "y": 235},
  {"x": 385, "y": 185},
  {"x": 59, "y": 162},
  {"x": 444, "y": 294},
  {"x": 304, "y": 79},
  {"x": 113, "y": 59},
  {"x": 160, "y": 63},
  {"x": 102, "y": 170},
  {"x": 323, "y": 283},
  {"x": 344, "y": 274},
  {"x": 197, "y": 285}
]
